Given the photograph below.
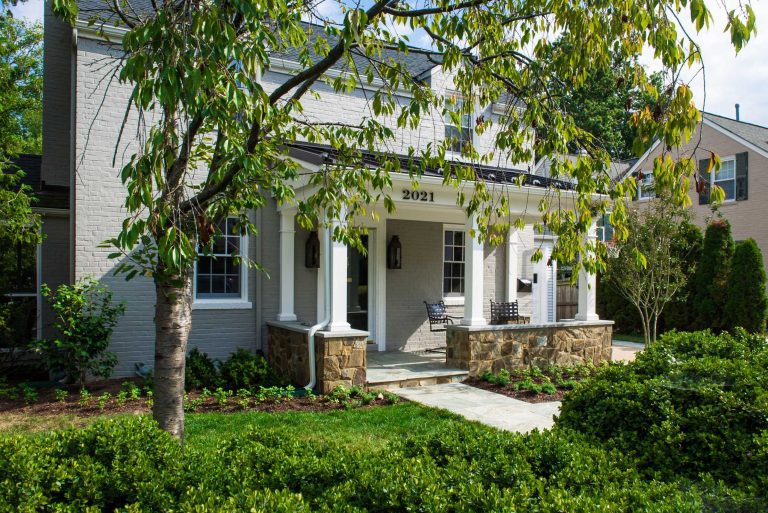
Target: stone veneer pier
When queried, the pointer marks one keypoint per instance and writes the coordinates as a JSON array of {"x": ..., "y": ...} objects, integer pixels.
[
  {"x": 340, "y": 357},
  {"x": 479, "y": 349}
]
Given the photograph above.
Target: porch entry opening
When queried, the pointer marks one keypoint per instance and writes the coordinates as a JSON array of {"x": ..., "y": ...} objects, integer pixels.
[{"x": 357, "y": 286}]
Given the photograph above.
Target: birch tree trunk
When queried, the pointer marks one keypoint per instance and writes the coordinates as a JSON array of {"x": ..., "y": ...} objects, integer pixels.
[{"x": 173, "y": 322}]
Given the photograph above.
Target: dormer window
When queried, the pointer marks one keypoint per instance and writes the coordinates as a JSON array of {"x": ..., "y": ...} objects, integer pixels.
[
  {"x": 457, "y": 136},
  {"x": 645, "y": 186}
]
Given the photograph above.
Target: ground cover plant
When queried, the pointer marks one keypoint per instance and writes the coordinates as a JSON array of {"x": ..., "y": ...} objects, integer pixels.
[
  {"x": 534, "y": 384},
  {"x": 690, "y": 405},
  {"x": 443, "y": 465}
]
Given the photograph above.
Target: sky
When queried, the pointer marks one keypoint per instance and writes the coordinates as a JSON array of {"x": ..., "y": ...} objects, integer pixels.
[{"x": 730, "y": 78}]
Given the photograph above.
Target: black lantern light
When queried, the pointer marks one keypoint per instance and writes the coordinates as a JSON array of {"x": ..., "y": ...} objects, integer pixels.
[
  {"x": 394, "y": 254},
  {"x": 312, "y": 251}
]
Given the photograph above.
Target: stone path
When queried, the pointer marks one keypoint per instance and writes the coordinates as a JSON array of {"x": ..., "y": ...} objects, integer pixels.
[{"x": 489, "y": 408}]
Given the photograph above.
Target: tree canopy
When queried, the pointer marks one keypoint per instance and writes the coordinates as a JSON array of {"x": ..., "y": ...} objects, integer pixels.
[{"x": 195, "y": 65}]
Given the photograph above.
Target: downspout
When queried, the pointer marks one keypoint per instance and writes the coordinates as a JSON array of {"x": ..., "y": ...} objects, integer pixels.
[{"x": 326, "y": 309}]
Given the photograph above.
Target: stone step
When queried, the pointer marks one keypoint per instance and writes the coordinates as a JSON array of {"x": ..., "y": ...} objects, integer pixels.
[{"x": 447, "y": 376}]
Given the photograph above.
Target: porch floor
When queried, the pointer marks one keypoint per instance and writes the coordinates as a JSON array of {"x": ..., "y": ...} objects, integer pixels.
[{"x": 399, "y": 369}]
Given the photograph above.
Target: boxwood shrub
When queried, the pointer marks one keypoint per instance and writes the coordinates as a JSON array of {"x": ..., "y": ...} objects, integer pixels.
[
  {"x": 691, "y": 404},
  {"x": 127, "y": 464}
]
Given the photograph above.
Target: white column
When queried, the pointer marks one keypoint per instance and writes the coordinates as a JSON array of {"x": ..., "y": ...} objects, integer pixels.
[
  {"x": 587, "y": 310},
  {"x": 321, "y": 276},
  {"x": 287, "y": 263},
  {"x": 473, "y": 277},
  {"x": 338, "y": 286},
  {"x": 540, "y": 287},
  {"x": 380, "y": 287},
  {"x": 513, "y": 239}
]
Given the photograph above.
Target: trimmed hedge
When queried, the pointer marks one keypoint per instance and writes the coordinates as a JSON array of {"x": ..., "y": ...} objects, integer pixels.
[
  {"x": 747, "y": 305},
  {"x": 128, "y": 465},
  {"x": 692, "y": 403}
]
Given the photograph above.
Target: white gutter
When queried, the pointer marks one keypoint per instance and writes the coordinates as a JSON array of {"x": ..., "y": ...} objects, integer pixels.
[{"x": 326, "y": 309}]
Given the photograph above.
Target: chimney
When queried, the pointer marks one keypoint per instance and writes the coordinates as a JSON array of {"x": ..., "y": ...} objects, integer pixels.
[{"x": 737, "y": 112}]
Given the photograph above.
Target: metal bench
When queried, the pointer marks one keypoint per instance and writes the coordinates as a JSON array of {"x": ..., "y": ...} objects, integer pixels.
[
  {"x": 438, "y": 316},
  {"x": 504, "y": 312}
]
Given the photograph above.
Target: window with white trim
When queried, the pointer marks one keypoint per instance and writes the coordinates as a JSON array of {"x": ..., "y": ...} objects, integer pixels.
[
  {"x": 726, "y": 178},
  {"x": 220, "y": 272},
  {"x": 645, "y": 187},
  {"x": 457, "y": 136},
  {"x": 453, "y": 263}
]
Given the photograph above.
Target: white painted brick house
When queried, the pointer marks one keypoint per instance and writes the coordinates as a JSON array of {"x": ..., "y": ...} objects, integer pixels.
[{"x": 84, "y": 108}]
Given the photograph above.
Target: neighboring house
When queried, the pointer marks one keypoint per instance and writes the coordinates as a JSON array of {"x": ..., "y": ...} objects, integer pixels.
[
  {"x": 20, "y": 264},
  {"x": 235, "y": 306},
  {"x": 743, "y": 151}
]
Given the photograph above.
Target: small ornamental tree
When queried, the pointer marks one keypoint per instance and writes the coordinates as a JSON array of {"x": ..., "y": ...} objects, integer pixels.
[
  {"x": 746, "y": 305},
  {"x": 711, "y": 278},
  {"x": 85, "y": 317},
  {"x": 649, "y": 269},
  {"x": 217, "y": 138}
]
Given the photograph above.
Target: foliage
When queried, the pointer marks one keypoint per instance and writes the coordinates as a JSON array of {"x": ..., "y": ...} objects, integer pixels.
[
  {"x": 128, "y": 464},
  {"x": 746, "y": 305},
  {"x": 611, "y": 304},
  {"x": 195, "y": 67},
  {"x": 539, "y": 380},
  {"x": 200, "y": 371},
  {"x": 691, "y": 403},
  {"x": 85, "y": 317},
  {"x": 21, "y": 87},
  {"x": 244, "y": 369},
  {"x": 650, "y": 269},
  {"x": 710, "y": 282},
  {"x": 679, "y": 312}
]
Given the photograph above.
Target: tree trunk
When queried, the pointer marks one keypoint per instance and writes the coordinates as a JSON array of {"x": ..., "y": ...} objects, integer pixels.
[
  {"x": 654, "y": 327},
  {"x": 173, "y": 322}
]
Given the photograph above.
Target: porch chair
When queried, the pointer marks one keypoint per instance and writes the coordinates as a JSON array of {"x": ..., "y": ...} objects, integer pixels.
[
  {"x": 438, "y": 316},
  {"x": 504, "y": 312}
]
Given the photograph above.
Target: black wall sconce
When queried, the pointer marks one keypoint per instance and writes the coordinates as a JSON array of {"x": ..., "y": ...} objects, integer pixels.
[
  {"x": 394, "y": 253},
  {"x": 312, "y": 251}
]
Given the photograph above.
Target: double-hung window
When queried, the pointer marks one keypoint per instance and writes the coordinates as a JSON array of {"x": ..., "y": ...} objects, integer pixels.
[
  {"x": 646, "y": 187},
  {"x": 19, "y": 298},
  {"x": 220, "y": 274},
  {"x": 726, "y": 178},
  {"x": 453, "y": 263},
  {"x": 457, "y": 136}
]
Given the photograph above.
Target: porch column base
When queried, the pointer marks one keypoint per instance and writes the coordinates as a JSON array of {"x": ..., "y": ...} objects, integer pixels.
[
  {"x": 587, "y": 317},
  {"x": 338, "y": 326},
  {"x": 286, "y": 317},
  {"x": 474, "y": 321}
]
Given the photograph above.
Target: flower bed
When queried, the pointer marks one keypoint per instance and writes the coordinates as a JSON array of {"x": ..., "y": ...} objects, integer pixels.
[{"x": 534, "y": 384}]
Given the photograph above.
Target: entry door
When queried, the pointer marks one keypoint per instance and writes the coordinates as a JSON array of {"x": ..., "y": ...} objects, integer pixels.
[{"x": 358, "y": 290}]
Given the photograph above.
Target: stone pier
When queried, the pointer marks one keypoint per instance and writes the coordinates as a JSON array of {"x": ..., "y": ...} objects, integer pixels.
[
  {"x": 340, "y": 357},
  {"x": 491, "y": 348}
]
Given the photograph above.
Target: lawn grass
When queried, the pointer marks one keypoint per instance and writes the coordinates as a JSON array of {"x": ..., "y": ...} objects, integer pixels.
[
  {"x": 629, "y": 337},
  {"x": 361, "y": 429}
]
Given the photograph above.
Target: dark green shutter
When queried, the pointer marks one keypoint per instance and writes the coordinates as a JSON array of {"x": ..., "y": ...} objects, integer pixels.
[
  {"x": 704, "y": 174},
  {"x": 742, "y": 176}
]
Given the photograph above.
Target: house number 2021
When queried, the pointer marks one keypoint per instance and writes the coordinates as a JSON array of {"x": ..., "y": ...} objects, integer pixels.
[{"x": 428, "y": 197}]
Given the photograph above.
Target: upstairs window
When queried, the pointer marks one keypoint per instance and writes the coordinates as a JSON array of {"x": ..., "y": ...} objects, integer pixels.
[
  {"x": 457, "y": 136},
  {"x": 726, "y": 178},
  {"x": 219, "y": 273},
  {"x": 646, "y": 187},
  {"x": 453, "y": 263}
]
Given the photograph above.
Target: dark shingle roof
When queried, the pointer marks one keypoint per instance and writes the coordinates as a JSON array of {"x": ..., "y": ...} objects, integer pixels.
[
  {"x": 616, "y": 171},
  {"x": 30, "y": 164},
  {"x": 755, "y": 134},
  {"x": 417, "y": 63}
]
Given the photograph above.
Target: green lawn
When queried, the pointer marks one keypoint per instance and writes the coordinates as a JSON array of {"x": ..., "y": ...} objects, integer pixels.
[
  {"x": 360, "y": 429},
  {"x": 626, "y": 337}
]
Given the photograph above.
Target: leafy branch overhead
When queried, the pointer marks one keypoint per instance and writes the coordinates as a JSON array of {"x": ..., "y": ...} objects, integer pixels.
[{"x": 196, "y": 67}]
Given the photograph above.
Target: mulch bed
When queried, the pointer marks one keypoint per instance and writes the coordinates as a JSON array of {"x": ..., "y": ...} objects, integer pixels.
[
  {"x": 47, "y": 404},
  {"x": 523, "y": 395}
]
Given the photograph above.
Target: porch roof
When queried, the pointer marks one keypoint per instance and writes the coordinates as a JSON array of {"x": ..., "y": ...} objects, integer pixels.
[{"x": 316, "y": 154}]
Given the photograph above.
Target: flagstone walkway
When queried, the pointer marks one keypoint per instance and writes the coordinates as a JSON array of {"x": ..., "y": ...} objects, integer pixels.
[{"x": 489, "y": 408}]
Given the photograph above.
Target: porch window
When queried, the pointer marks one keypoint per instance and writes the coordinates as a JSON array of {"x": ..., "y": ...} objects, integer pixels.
[
  {"x": 453, "y": 263},
  {"x": 219, "y": 272},
  {"x": 457, "y": 136}
]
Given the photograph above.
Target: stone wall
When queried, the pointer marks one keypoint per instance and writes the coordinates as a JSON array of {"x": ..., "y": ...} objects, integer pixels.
[
  {"x": 340, "y": 359},
  {"x": 492, "y": 348}
]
